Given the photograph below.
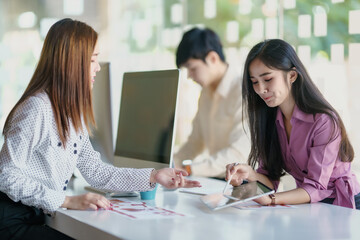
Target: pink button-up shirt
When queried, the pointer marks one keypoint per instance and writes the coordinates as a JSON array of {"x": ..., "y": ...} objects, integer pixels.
[{"x": 313, "y": 161}]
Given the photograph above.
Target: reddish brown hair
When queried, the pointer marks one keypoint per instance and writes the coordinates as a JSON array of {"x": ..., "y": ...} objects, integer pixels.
[{"x": 63, "y": 72}]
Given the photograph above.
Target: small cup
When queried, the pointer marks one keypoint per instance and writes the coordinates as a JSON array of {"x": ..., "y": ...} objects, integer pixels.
[
  {"x": 187, "y": 166},
  {"x": 148, "y": 195}
]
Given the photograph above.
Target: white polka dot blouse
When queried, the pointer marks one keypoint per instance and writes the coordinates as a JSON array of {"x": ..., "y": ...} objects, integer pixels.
[{"x": 35, "y": 168}]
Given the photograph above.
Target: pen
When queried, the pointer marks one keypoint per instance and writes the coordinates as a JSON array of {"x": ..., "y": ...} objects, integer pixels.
[{"x": 229, "y": 180}]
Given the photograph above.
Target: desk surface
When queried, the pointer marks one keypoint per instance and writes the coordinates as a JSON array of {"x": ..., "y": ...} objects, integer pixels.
[{"x": 307, "y": 221}]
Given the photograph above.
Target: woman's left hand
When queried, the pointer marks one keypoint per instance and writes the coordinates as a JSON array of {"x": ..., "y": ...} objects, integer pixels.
[{"x": 173, "y": 178}]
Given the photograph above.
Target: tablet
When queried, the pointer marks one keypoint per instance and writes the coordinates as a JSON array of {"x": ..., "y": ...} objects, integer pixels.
[{"x": 243, "y": 193}]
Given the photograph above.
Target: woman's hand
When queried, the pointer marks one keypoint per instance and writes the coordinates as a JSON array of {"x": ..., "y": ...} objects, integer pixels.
[
  {"x": 264, "y": 200},
  {"x": 238, "y": 173},
  {"x": 173, "y": 178},
  {"x": 86, "y": 201}
]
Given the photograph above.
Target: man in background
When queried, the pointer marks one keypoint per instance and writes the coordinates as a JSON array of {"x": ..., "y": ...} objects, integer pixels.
[{"x": 217, "y": 136}]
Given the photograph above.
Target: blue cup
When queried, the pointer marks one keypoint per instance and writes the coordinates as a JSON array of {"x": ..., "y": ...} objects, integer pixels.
[{"x": 148, "y": 195}]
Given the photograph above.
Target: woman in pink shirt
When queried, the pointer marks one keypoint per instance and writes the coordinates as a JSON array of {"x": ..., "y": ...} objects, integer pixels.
[{"x": 293, "y": 129}]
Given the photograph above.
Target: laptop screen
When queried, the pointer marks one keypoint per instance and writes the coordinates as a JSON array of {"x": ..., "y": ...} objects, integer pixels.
[{"x": 147, "y": 115}]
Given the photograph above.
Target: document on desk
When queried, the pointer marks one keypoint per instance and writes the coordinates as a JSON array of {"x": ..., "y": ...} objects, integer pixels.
[{"x": 140, "y": 210}]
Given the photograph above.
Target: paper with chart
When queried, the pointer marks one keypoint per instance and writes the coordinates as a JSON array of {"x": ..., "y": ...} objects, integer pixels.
[{"x": 141, "y": 210}]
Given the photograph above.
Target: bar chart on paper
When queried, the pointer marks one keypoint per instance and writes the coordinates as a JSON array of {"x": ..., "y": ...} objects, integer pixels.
[{"x": 141, "y": 210}]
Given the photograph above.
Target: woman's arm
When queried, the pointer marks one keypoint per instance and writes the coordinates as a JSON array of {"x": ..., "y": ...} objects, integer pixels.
[
  {"x": 295, "y": 196},
  {"x": 104, "y": 176},
  {"x": 242, "y": 172}
]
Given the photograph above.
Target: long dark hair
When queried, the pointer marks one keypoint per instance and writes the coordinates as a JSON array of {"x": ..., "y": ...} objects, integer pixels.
[
  {"x": 63, "y": 72},
  {"x": 278, "y": 54}
]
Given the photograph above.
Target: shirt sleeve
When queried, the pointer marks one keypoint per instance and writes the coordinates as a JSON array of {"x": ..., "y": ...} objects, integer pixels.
[
  {"x": 22, "y": 137},
  {"x": 239, "y": 145},
  {"x": 104, "y": 176},
  {"x": 322, "y": 158},
  {"x": 193, "y": 146}
]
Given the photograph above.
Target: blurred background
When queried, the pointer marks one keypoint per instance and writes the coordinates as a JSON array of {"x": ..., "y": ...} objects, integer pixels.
[{"x": 139, "y": 35}]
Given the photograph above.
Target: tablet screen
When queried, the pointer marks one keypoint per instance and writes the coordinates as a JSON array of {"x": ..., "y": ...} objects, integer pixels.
[{"x": 242, "y": 193}]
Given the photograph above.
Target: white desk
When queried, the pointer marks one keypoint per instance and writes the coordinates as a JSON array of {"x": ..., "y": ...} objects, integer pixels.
[{"x": 308, "y": 221}]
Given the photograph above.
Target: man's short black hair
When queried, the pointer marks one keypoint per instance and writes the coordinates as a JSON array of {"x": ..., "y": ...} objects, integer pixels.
[{"x": 197, "y": 43}]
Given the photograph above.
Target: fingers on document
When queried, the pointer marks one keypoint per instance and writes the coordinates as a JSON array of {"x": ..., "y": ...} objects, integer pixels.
[
  {"x": 96, "y": 201},
  {"x": 104, "y": 203},
  {"x": 92, "y": 206}
]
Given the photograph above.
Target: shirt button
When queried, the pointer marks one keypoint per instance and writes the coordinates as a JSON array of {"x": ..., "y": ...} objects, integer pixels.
[
  {"x": 59, "y": 144},
  {"x": 64, "y": 188},
  {"x": 75, "y": 151},
  {"x": 66, "y": 182},
  {"x": 75, "y": 145}
]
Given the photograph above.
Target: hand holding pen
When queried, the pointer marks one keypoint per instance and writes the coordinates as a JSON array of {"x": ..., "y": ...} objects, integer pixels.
[
  {"x": 229, "y": 177},
  {"x": 236, "y": 173}
]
